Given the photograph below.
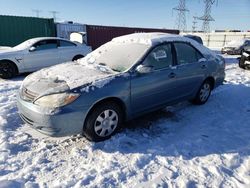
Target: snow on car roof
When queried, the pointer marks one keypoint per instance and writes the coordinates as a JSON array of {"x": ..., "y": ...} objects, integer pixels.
[{"x": 155, "y": 38}]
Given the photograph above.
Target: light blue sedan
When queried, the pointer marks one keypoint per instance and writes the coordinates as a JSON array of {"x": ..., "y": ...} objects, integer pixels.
[{"x": 125, "y": 78}]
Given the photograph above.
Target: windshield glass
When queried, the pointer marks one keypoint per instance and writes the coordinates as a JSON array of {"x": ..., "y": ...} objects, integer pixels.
[
  {"x": 117, "y": 56},
  {"x": 25, "y": 44},
  {"x": 236, "y": 43}
]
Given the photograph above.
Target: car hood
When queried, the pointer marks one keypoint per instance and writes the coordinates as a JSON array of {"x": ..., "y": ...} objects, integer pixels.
[
  {"x": 8, "y": 51},
  {"x": 64, "y": 77}
]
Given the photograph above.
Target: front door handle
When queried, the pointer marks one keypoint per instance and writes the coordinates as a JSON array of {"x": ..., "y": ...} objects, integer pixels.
[
  {"x": 172, "y": 75},
  {"x": 203, "y": 66}
]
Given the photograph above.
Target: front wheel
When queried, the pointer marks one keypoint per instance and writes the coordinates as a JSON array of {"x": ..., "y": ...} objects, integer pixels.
[
  {"x": 7, "y": 70},
  {"x": 203, "y": 93},
  {"x": 103, "y": 121},
  {"x": 242, "y": 63}
]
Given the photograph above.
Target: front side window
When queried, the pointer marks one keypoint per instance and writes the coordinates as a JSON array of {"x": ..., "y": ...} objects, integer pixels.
[
  {"x": 46, "y": 45},
  {"x": 66, "y": 43},
  {"x": 186, "y": 53},
  {"x": 160, "y": 57}
]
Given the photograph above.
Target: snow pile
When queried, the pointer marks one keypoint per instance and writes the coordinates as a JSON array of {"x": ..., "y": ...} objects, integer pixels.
[{"x": 183, "y": 146}]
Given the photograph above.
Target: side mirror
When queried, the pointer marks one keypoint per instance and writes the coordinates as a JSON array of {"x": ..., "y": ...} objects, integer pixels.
[
  {"x": 32, "y": 49},
  {"x": 144, "y": 69},
  {"x": 202, "y": 60}
]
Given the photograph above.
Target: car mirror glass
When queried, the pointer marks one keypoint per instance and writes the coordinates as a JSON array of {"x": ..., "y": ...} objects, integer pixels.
[
  {"x": 32, "y": 49},
  {"x": 144, "y": 69}
]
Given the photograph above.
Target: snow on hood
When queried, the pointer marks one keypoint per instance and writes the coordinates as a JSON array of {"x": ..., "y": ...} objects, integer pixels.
[
  {"x": 235, "y": 43},
  {"x": 65, "y": 76}
]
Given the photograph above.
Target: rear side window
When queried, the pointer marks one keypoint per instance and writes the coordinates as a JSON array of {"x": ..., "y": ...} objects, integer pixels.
[
  {"x": 46, "y": 45},
  {"x": 186, "y": 53},
  {"x": 66, "y": 43},
  {"x": 160, "y": 57}
]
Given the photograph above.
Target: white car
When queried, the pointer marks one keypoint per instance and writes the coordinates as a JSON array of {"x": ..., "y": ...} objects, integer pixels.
[{"x": 37, "y": 53}]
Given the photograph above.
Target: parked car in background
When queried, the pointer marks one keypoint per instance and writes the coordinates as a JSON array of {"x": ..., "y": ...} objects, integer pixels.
[
  {"x": 195, "y": 37},
  {"x": 37, "y": 53},
  {"x": 235, "y": 47},
  {"x": 244, "y": 61},
  {"x": 125, "y": 78}
]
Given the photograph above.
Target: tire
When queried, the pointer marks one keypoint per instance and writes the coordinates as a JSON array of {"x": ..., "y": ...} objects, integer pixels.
[
  {"x": 7, "y": 69},
  {"x": 103, "y": 122},
  {"x": 77, "y": 57},
  {"x": 203, "y": 94},
  {"x": 241, "y": 63}
]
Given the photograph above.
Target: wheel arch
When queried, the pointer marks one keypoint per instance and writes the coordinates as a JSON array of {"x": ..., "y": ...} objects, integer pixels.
[
  {"x": 12, "y": 62},
  {"x": 78, "y": 56},
  {"x": 115, "y": 100},
  {"x": 211, "y": 80}
]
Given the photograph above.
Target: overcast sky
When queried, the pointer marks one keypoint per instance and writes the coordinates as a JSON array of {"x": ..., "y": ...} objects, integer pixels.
[{"x": 228, "y": 14}]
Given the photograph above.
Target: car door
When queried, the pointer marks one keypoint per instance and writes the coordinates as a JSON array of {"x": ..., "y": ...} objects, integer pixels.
[
  {"x": 190, "y": 69},
  {"x": 67, "y": 50},
  {"x": 42, "y": 54},
  {"x": 152, "y": 88}
]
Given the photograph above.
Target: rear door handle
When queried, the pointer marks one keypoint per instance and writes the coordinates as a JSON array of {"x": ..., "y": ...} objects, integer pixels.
[{"x": 172, "y": 75}]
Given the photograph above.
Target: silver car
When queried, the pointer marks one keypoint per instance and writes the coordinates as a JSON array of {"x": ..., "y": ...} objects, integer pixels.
[
  {"x": 37, "y": 53},
  {"x": 125, "y": 78}
]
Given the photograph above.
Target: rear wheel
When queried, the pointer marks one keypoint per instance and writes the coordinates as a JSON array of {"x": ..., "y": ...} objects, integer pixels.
[
  {"x": 103, "y": 121},
  {"x": 203, "y": 93},
  {"x": 77, "y": 57},
  {"x": 7, "y": 69}
]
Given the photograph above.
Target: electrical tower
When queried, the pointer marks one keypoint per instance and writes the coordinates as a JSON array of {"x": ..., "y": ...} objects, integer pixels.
[
  {"x": 54, "y": 13},
  {"x": 37, "y": 12},
  {"x": 181, "y": 16},
  {"x": 207, "y": 15},
  {"x": 194, "y": 23}
]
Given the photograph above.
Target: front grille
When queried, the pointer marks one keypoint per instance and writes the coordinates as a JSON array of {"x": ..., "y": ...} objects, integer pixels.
[
  {"x": 28, "y": 95},
  {"x": 26, "y": 120}
]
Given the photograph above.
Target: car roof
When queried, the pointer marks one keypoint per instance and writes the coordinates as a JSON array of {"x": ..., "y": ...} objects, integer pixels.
[
  {"x": 150, "y": 38},
  {"x": 47, "y": 38}
]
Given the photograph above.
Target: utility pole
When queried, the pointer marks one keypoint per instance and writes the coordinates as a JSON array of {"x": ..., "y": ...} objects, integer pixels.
[
  {"x": 54, "y": 13},
  {"x": 181, "y": 16},
  {"x": 37, "y": 12},
  {"x": 207, "y": 16}
]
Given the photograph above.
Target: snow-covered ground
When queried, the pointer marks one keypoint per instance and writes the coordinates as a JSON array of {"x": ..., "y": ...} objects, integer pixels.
[{"x": 183, "y": 146}]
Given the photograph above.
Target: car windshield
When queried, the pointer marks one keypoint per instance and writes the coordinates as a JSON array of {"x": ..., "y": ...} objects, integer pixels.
[
  {"x": 236, "y": 43},
  {"x": 118, "y": 56},
  {"x": 24, "y": 44}
]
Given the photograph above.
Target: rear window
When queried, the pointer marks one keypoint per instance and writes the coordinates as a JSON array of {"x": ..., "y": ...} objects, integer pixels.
[{"x": 63, "y": 43}]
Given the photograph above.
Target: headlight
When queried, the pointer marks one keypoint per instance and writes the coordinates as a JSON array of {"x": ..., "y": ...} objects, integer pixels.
[
  {"x": 57, "y": 100},
  {"x": 245, "y": 54}
]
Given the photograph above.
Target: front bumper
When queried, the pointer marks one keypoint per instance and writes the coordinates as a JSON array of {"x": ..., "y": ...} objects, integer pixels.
[{"x": 65, "y": 121}]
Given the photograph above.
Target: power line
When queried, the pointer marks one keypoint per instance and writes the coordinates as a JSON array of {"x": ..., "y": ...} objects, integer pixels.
[
  {"x": 207, "y": 18},
  {"x": 181, "y": 16}
]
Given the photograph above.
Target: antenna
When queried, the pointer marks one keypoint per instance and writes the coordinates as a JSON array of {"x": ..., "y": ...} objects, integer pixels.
[
  {"x": 207, "y": 18},
  {"x": 54, "y": 13},
  {"x": 181, "y": 16},
  {"x": 37, "y": 12}
]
